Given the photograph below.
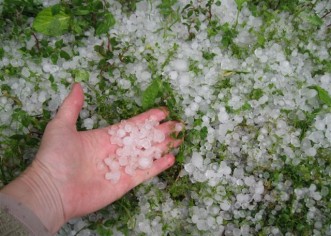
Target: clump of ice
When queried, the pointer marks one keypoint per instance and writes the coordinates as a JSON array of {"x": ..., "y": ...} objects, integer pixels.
[{"x": 137, "y": 147}]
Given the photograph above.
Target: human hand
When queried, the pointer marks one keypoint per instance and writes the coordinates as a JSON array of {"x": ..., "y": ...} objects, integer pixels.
[{"x": 68, "y": 173}]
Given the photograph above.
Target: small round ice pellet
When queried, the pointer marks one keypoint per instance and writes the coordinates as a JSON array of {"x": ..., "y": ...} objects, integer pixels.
[
  {"x": 158, "y": 136},
  {"x": 116, "y": 176},
  {"x": 123, "y": 161},
  {"x": 127, "y": 141},
  {"x": 130, "y": 170},
  {"x": 108, "y": 176},
  {"x": 119, "y": 152},
  {"x": 128, "y": 127},
  {"x": 157, "y": 153},
  {"x": 121, "y": 133},
  {"x": 114, "y": 165},
  {"x": 112, "y": 131},
  {"x": 145, "y": 162},
  {"x": 108, "y": 161},
  {"x": 144, "y": 143}
]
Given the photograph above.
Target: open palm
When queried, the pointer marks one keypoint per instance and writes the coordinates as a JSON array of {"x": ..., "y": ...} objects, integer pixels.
[{"x": 74, "y": 160}]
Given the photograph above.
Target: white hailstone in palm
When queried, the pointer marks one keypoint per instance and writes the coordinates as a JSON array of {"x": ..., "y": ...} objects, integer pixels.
[
  {"x": 114, "y": 176},
  {"x": 144, "y": 143},
  {"x": 145, "y": 162},
  {"x": 130, "y": 170},
  {"x": 158, "y": 136},
  {"x": 135, "y": 147},
  {"x": 127, "y": 141},
  {"x": 123, "y": 160},
  {"x": 121, "y": 133}
]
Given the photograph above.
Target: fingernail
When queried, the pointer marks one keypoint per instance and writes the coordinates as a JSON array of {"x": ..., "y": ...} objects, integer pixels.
[{"x": 164, "y": 109}]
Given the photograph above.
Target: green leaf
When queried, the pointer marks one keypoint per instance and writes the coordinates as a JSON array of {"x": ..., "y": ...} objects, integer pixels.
[
  {"x": 245, "y": 107},
  {"x": 323, "y": 95},
  {"x": 256, "y": 94},
  {"x": 82, "y": 12},
  {"x": 151, "y": 93},
  {"x": 208, "y": 55},
  {"x": 54, "y": 58},
  {"x": 229, "y": 34},
  {"x": 2, "y": 53},
  {"x": 56, "y": 9},
  {"x": 59, "y": 43},
  {"x": 51, "y": 24},
  {"x": 80, "y": 75},
  {"x": 240, "y": 4},
  {"x": 64, "y": 55},
  {"x": 315, "y": 20},
  {"x": 104, "y": 26}
]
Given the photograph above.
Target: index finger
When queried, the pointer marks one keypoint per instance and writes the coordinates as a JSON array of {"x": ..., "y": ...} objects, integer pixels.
[{"x": 158, "y": 113}]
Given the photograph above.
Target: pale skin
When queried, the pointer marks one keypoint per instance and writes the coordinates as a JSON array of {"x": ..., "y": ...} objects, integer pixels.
[{"x": 67, "y": 177}]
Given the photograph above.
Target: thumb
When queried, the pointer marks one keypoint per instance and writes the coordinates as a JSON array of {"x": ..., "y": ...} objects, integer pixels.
[{"x": 71, "y": 106}]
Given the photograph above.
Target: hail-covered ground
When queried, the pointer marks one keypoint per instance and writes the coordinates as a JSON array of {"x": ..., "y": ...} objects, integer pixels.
[{"x": 251, "y": 81}]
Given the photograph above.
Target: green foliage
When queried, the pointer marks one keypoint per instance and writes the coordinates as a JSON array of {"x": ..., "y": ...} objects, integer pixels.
[
  {"x": 16, "y": 10},
  {"x": 80, "y": 75},
  {"x": 208, "y": 55},
  {"x": 171, "y": 54},
  {"x": 228, "y": 35},
  {"x": 166, "y": 7},
  {"x": 106, "y": 24},
  {"x": 256, "y": 94},
  {"x": 13, "y": 147},
  {"x": 129, "y": 6},
  {"x": 281, "y": 5},
  {"x": 2, "y": 53},
  {"x": 194, "y": 66},
  {"x": 313, "y": 170},
  {"x": 151, "y": 93},
  {"x": 74, "y": 16},
  {"x": 323, "y": 95},
  {"x": 306, "y": 123},
  {"x": 314, "y": 19},
  {"x": 170, "y": 14},
  {"x": 240, "y": 4},
  {"x": 52, "y": 21},
  {"x": 224, "y": 83},
  {"x": 43, "y": 49}
]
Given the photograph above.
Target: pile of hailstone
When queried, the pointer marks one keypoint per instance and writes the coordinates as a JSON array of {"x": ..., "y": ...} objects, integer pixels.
[
  {"x": 256, "y": 155},
  {"x": 136, "y": 147}
]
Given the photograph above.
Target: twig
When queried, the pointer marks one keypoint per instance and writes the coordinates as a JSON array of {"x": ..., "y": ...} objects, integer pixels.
[
  {"x": 209, "y": 11},
  {"x": 326, "y": 14},
  {"x": 37, "y": 41},
  {"x": 109, "y": 48}
]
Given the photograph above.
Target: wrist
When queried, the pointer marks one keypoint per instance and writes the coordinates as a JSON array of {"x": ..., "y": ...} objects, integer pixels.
[{"x": 35, "y": 189}]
